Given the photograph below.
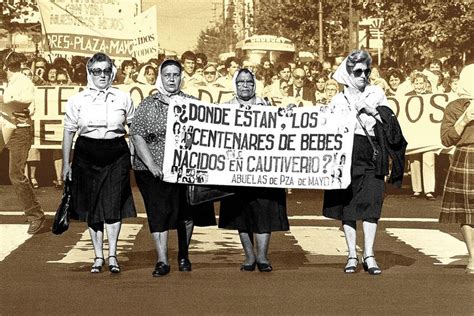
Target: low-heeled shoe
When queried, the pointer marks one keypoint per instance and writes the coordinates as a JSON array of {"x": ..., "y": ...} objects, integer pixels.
[
  {"x": 161, "y": 269},
  {"x": 264, "y": 267},
  {"x": 184, "y": 265},
  {"x": 248, "y": 267}
]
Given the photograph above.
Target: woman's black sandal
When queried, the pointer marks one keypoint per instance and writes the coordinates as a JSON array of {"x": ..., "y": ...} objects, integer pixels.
[
  {"x": 112, "y": 267},
  {"x": 372, "y": 271},
  {"x": 351, "y": 269},
  {"x": 97, "y": 269}
]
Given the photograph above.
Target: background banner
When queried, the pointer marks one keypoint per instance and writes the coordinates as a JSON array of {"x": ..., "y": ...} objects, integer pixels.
[
  {"x": 420, "y": 117},
  {"x": 82, "y": 28},
  {"x": 227, "y": 144}
]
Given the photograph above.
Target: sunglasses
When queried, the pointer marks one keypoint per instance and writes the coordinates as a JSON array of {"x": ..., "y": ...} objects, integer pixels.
[
  {"x": 358, "y": 72},
  {"x": 209, "y": 72},
  {"x": 98, "y": 72},
  {"x": 248, "y": 83}
]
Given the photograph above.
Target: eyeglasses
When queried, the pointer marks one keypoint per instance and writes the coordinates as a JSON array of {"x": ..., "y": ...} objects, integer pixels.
[
  {"x": 169, "y": 76},
  {"x": 98, "y": 72},
  {"x": 247, "y": 83},
  {"x": 62, "y": 81},
  {"x": 358, "y": 72},
  {"x": 209, "y": 72},
  {"x": 298, "y": 77}
]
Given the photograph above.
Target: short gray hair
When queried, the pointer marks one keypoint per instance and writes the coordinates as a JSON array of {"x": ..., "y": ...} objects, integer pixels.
[
  {"x": 98, "y": 57},
  {"x": 358, "y": 56}
]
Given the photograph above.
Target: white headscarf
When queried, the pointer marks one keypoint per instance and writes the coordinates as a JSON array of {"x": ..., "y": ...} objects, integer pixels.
[
  {"x": 159, "y": 81},
  {"x": 466, "y": 82},
  {"x": 254, "y": 99},
  {"x": 141, "y": 78}
]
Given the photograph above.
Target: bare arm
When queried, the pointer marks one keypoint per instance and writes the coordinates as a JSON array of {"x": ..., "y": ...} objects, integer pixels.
[
  {"x": 142, "y": 150},
  {"x": 68, "y": 136}
]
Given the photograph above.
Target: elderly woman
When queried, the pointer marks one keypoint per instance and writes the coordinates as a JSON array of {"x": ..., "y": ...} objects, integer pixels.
[
  {"x": 331, "y": 88},
  {"x": 100, "y": 174},
  {"x": 258, "y": 211},
  {"x": 457, "y": 129},
  {"x": 165, "y": 203},
  {"x": 363, "y": 198}
]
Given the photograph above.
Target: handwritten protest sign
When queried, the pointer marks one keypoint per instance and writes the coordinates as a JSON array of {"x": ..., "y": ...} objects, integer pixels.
[{"x": 265, "y": 146}]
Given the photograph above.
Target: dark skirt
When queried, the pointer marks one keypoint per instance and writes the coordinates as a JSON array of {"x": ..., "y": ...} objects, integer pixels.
[
  {"x": 458, "y": 196},
  {"x": 166, "y": 204},
  {"x": 101, "y": 189},
  {"x": 254, "y": 210},
  {"x": 363, "y": 198}
]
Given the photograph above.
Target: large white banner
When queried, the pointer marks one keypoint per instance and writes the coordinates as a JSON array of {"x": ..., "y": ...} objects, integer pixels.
[
  {"x": 265, "y": 146},
  {"x": 145, "y": 41},
  {"x": 82, "y": 27},
  {"x": 420, "y": 118}
]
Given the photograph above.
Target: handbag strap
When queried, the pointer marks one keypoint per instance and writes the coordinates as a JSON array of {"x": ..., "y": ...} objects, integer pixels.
[{"x": 365, "y": 130}]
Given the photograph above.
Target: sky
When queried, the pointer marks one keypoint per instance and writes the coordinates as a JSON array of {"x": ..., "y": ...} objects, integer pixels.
[{"x": 181, "y": 21}]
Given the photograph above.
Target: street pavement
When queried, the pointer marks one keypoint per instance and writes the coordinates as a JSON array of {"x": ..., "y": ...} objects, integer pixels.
[{"x": 422, "y": 261}]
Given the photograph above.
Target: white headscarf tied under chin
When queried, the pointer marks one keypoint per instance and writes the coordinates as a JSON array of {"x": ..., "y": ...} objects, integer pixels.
[
  {"x": 159, "y": 80},
  {"x": 466, "y": 82}
]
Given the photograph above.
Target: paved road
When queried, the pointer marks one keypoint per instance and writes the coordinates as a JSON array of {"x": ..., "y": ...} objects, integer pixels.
[{"x": 422, "y": 264}]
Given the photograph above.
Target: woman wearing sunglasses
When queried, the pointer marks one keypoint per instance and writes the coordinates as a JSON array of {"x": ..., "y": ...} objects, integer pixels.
[
  {"x": 101, "y": 193},
  {"x": 363, "y": 198}
]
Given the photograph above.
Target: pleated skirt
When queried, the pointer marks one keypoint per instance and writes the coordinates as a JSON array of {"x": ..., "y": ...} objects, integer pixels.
[
  {"x": 458, "y": 196},
  {"x": 101, "y": 189}
]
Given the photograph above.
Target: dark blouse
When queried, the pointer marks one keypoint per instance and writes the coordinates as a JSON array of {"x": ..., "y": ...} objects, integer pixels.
[{"x": 449, "y": 136}]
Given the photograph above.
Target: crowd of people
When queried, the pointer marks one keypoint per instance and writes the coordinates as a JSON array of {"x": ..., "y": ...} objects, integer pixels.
[
  {"x": 99, "y": 170},
  {"x": 294, "y": 82}
]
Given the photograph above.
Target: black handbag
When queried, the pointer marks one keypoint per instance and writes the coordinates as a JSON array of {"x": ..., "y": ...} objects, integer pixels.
[
  {"x": 198, "y": 194},
  {"x": 61, "y": 219}
]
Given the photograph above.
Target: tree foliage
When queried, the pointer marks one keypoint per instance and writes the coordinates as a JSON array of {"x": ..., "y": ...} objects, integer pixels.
[
  {"x": 410, "y": 27},
  {"x": 298, "y": 21},
  {"x": 426, "y": 28}
]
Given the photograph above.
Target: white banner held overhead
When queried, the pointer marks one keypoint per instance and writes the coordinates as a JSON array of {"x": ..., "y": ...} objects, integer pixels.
[
  {"x": 145, "y": 41},
  {"x": 264, "y": 146},
  {"x": 82, "y": 27}
]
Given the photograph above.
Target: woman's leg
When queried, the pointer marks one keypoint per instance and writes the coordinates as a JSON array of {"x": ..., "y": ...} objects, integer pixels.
[
  {"x": 161, "y": 246},
  {"x": 113, "y": 231},
  {"x": 370, "y": 229},
  {"x": 97, "y": 235},
  {"x": 350, "y": 235},
  {"x": 185, "y": 232},
  {"x": 247, "y": 243},
  {"x": 468, "y": 235},
  {"x": 263, "y": 241}
]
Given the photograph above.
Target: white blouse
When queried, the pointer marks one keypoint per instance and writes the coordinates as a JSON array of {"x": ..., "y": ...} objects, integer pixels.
[
  {"x": 373, "y": 96},
  {"x": 99, "y": 115}
]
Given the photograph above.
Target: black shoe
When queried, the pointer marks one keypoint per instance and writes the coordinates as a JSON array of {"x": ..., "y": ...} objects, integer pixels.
[
  {"x": 373, "y": 270},
  {"x": 97, "y": 268},
  {"x": 264, "y": 267},
  {"x": 184, "y": 265},
  {"x": 161, "y": 269},
  {"x": 112, "y": 267},
  {"x": 351, "y": 269},
  {"x": 248, "y": 267},
  {"x": 430, "y": 197}
]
